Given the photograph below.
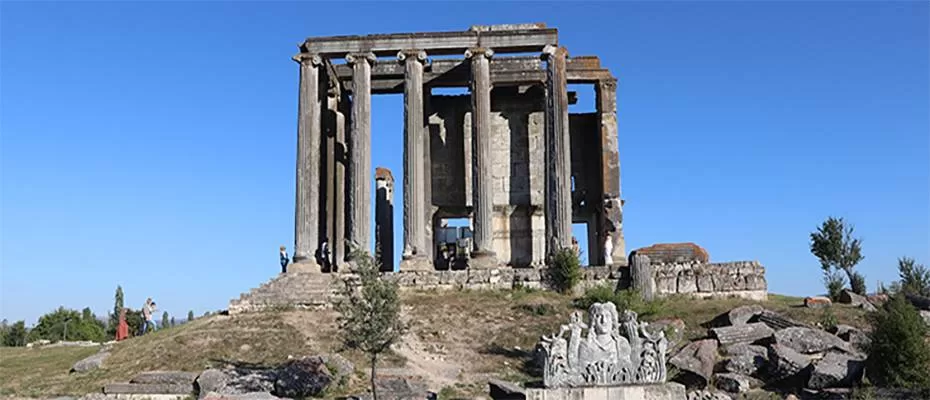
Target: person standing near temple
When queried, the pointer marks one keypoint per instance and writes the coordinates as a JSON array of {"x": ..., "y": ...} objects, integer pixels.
[
  {"x": 283, "y": 258},
  {"x": 122, "y": 329},
  {"x": 146, "y": 315}
]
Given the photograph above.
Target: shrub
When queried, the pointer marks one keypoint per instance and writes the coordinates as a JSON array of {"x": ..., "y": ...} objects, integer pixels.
[
  {"x": 565, "y": 270},
  {"x": 828, "y": 320},
  {"x": 628, "y": 299},
  {"x": 834, "y": 281},
  {"x": 857, "y": 283},
  {"x": 915, "y": 278},
  {"x": 899, "y": 355}
]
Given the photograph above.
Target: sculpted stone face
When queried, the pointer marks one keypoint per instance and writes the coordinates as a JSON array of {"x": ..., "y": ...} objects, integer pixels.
[{"x": 602, "y": 321}]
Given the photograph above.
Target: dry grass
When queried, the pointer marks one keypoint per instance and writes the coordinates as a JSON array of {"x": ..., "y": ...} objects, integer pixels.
[{"x": 473, "y": 334}]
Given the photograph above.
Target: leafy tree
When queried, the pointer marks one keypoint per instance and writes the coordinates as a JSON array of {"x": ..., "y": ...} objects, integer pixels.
[
  {"x": 899, "y": 355},
  {"x": 915, "y": 278},
  {"x": 114, "y": 316},
  {"x": 65, "y": 324},
  {"x": 836, "y": 248},
  {"x": 165, "y": 320},
  {"x": 135, "y": 320},
  {"x": 16, "y": 336},
  {"x": 565, "y": 269},
  {"x": 190, "y": 315},
  {"x": 370, "y": 313},
  {"x": 835, "y": 282}
]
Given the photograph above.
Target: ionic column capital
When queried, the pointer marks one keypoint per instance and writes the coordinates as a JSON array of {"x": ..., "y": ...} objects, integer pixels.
[
  {"x": 412, "y": 54},
  {"x": 308, "y": 59},
  {"x": 353, "y": 58},
  {"x": 479, "y": 51}
]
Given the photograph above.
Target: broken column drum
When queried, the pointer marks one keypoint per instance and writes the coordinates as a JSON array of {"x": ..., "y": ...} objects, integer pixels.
[{"x": 507, "y": 155}]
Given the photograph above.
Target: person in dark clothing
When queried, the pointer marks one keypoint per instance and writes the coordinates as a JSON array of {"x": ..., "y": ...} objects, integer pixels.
[{"x": 284, "y": 259}]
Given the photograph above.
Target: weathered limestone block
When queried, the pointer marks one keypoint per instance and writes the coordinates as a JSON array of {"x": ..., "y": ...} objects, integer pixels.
[
  {"x": 697, "y": 358},
  {"x": 735, "y": 383},
  {"x": 687, "y": 282},
  {"x": 747, "y": 333},
  {"x": 856, "y": 337},
  {"x": 737, "y": 316},
  {"x": 776, "y": 321},
  {"x": 785, "y": 362},
  {"x": 707, "y": 395},
  {"x": 302, "y": 378},
  {"x": 675, "y": 253},
  {"x": 836, "y": 370},
  {"x": 503, "y": 390},
  {"x": 809, "y": 341},
  {"x": 745, "y": 359},
  {"x": 148, "y": 388},
  {"x": 646, "y": 279},
  {"x": 90, "y": 363},
  {"x": 817, "y": 302},
  {"x": 705, "y": 281},
  {"x": 165, "y": 377}
]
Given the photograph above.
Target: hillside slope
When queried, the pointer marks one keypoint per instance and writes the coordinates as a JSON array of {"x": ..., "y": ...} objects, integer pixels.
[{"x": 458, "y": 339}]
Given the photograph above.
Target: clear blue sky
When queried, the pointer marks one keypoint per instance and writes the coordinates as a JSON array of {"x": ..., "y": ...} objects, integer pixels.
[{"x": 152, "y": 145}]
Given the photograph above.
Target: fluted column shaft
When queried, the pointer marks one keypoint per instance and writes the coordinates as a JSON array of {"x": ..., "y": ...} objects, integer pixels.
[
  {"x": 414, "y": 153},
  {"x": 558, "y": 152},
  {"x": 481, "y": 137},
  {"x": 307, "y": 210},
  {"x": 360, "y": 194}
]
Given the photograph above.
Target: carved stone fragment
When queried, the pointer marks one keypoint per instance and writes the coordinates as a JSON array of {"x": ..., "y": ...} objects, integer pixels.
[
  {"x": 742, "y": 333},
  {"x": 616, "y": 350}
]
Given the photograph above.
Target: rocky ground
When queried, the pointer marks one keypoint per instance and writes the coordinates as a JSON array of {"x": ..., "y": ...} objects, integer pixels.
[{"x": 458, "y": 341}]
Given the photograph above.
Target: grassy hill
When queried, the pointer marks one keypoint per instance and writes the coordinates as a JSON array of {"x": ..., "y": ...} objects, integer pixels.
[{"x": 458, "y": 339}]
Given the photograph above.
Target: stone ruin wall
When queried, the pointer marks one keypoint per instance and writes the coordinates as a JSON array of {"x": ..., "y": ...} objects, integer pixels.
[
  {"x": 744, "y": 279},
  {"x": 517, "y": 123}
]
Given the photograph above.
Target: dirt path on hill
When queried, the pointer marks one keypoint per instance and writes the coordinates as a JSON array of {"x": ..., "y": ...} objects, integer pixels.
[{"x": 429, "y": 361}]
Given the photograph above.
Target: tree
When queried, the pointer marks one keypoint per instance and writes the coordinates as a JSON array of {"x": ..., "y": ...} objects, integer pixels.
[
  {"x": 172, "y": 322},
  {"x": 899, "y": 356},
  {"x": 164, "y": 320},
  {"x": 66, "y": 324},
  {"x": 190, "y": 315},
  {"x": 16, "y": 336},
  {"x": 836, "y": 248},
  {"x": 370, "y": 313},
  {"x": 915, "y": 278},
  {"x": 114, "y": 316}
]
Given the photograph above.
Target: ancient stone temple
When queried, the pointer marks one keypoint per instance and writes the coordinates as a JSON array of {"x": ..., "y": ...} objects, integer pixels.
[{"x": 507, "y": 156}]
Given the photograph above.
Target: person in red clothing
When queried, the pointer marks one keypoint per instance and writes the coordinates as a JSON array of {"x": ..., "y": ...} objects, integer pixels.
[{"x": 122, "y": 330}]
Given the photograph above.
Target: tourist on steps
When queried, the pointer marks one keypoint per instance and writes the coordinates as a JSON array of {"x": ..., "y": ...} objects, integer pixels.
[
  {"x": 147, "y": 310},
  {"x": 284, "y": 259}
]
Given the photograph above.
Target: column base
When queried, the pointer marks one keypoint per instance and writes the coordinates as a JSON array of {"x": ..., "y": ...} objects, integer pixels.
[
  {"x": 304, "y": 266},
  {"x": 483, "y": 259},
  {"x": 415, "y": 262}
]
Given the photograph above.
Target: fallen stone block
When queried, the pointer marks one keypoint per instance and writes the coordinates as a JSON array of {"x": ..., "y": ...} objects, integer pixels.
[
  {"x": 697, "y": 358},
  {"x": 747, "y": 333},
  {"x": 836, "y": 370},
  {"x": 242, "y": 396},
  {"x": 147, "y": 388},
  {"x": 707, "y": 395},
  {"x": 503, "y": 390},
  {"x": 737, "y": 316},
  {"x": 165, "y": 377},
  {"x": 745, "y": 359},
  {"x": 817, "y": 302},
  {"x": 785, "y": 362},
  {"x": 305, "y": 377},
  {"x": 809, "y": 341},
  {"x": 777, "y": 321},
  {"x": 735, "y": 383},
  {"x": 90, "y": 363}
]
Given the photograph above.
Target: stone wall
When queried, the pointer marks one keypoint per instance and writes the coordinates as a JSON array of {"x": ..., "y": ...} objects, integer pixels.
[{"x": 744, "y": 279}]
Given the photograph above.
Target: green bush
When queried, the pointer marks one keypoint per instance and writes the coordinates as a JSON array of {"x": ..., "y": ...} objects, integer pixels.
[
  {"x": 828, "y": 320},
  {"x": 65, "y": 324},
  {"x": 899, "y": 355},
  {"x": 564, "y": 270},
  {"x": 835, "y": 282},
  {"x": 624, "y": 300}
]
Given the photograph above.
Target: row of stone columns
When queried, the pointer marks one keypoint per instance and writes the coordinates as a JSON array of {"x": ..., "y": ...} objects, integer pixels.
[{"x": 358, "y": 185}]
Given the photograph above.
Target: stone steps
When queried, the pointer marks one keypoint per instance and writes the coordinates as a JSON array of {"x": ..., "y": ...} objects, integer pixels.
[{"x": 294, "y": 289}]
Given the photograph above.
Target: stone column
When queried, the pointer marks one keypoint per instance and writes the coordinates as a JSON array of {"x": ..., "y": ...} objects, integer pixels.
[
  {"x": 342, "y": 163},
  {"x": 307, "y": 211},
  {"x": 360, "y": 152},
  {"x": 384, "y": 218},
  {"x": 483, "y": 255},
  {"x": 641, "y": 273},
  {"x": 612, "y": 216},
  {"x": 558, "y": 152},
  {"x": 415, "y": 223}
]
